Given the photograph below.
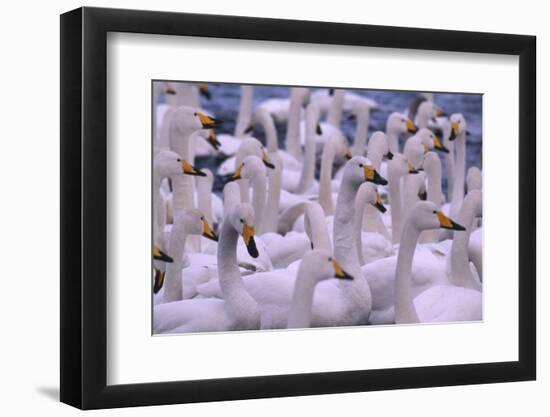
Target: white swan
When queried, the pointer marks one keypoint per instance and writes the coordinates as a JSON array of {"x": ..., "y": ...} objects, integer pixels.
[
  {"x": 427, "y": 111},
  {"x": 187, "y": 222},
  {"x": 442, "y": 303},
  {"x": 432, "y": 167},
  {"x": 458, "y": 134},
  {"x": 323, "y": 98},
  {"x": 370, "y": 246},
  {"x": 316, "y": 266},
  {"x": 238, "y": 310}
]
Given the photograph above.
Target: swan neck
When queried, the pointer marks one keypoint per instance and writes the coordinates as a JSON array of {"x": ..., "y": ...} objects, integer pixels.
[
  {"x": 302, "y": 300},
  {"x": 270, "y": 222},
  {"x": 307, "y": 176},
  {"x": 292, "y": 142},
  {"x": 394, "y": 187},
  {"x": 173, "y": 287},
  {"x": 317, "y": 223},
  {"x": 245, "y": 111},
  {"x": 325, "y": 179},
  {"x": 361, "y": 132},
  {"x": 460, "y": 264},
  {"x": 334, "y": 116},
  {"x": 459, "y": 174},
  {"x": 405, "y": 311}
]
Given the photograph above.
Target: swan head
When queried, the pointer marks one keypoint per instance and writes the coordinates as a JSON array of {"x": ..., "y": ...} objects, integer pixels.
[
  {"x": 319, "y": 265},
  {"x": 250, "y": 168},
  {"x": 194, "y": 223},
  {"x": 431, "y": 141},
  {"x": 428, "y": 110},
  {"x": 359, "y": 170},
  {"x": 160, "y": 255},
  {"x": 458, "y": 125},
  {"x": 425, "y": 215},
  {"x": 253, "y": 146},
  {"x": 398, "y": 123},
  {"x": 241, "y": 218},
  {"x": 400, "y": 166},
  {"x": 168, "y": 163},
  {"x": 378, "y": 144},
  {"x": 372, "y": 196},
  {"x": 188, "y": 119}
]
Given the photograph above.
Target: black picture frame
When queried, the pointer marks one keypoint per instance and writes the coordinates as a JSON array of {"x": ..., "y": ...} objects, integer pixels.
[{"x": 84, "y": 207}]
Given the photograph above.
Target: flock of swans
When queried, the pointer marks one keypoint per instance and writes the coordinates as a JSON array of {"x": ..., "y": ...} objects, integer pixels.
[{"x": 371, "y": 239}]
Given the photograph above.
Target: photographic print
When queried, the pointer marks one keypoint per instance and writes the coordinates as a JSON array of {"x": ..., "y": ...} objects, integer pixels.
[{"x": 277, "y": 207}]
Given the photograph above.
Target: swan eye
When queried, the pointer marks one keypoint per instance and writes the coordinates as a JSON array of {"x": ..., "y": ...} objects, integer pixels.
[
  {"x": 179, "y": 160},
  {"x": 242, "y": 220},
  {"x": 435, "y": 212},
  {"x": 194, "y": 114},
  {"x": 202, "y": 217},
  {"x": 330, "y": 259},
  {"x": 360, "y": 165}
]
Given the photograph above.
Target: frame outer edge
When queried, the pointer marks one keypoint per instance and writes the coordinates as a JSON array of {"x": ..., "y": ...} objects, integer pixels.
[{"x": 70, "y": 221}]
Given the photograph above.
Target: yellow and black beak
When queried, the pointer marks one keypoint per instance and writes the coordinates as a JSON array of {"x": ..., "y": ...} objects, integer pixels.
[
  {"x": 207, "y": 231},
  {"x": 190, "y": 169},
  {"x": 454, "y": 131},
  {"x": 318, "y": 129},
  {"x": 160, "y": 255},
  {"x": 411, "y": 127},
  {"x": 389, "y": 155},
  {"x": 439, "y": 146},
  {"x": 412, "y": 169},
  {"x": 248, "y": 237},
  {"x": 237, "y": 174},
  {"x": 378, "y": 204},
  {"x": 249, "y": 129},
  {"x": 373, "y": 176},
  {"x": 204, "y": 91},
  {"x": 265, "y": 160},
  {"x": 447, "y": 223},
  {"x": 207, "y": 121},
  {"x": 213, "y": 141},
  {"x": 339, "y": 272},
  {"x": 159, "y": 280}
]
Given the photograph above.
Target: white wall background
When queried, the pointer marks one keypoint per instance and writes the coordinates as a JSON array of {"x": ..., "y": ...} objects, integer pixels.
[{"x": 29, "y": 172}]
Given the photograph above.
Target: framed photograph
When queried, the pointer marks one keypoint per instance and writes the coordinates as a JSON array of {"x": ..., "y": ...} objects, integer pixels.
[{"x": 260, "y": 208}]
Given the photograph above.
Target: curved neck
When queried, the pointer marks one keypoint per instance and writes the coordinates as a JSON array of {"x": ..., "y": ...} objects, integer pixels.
[
  {"x": 271, "y": 214},
  {"x": 307, "y": 176},
  {"x": 292, "y": 142},
  {"x": 266, "y": 120},
  {"x": 459, "y": 174},
  {"x": 173, "y": 281},
  {"x": 318, "y": 233},
  {"x": 449, "y": 161},
  {"x": 325, "y": 178},
  {"x": 433, "y": 195},
  {"x": 237, "y": 300},
  {"x": 360, "y": 203},
  {"x": 361, "y": 131},
  {"x": 461, "y": 274},
  {"x": 335, "y": 111},
  {"x": 231, "y": 197},
  {"x": 405, "y": 311},
  {"x": 393, "y": 139},
  {"x": 245, "y": 111},
  {"x": 302, "y": 299}
]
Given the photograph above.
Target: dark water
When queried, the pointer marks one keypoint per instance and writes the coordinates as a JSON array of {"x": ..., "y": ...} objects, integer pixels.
[{"x": 224, "y": 104}]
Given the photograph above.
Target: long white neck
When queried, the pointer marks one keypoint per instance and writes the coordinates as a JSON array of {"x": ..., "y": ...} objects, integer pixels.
[
  {"x": 334, "y": 115},
  {"x": 266, "y": 120},
  {"x": 422, "y": 119},
  {"x": 360, "y": 204},
  {"x": 459, "y": 174},
  {"x": 434, "y": 195},
  {"x": 325, "y": 178},
  {"x": 394, "y": 187},
  {"x": 231, "y": 197},
  {"x": 412, "y": 184},
  {"x": 361, "y": 132},
  {"x": 271, "y": 215},
  {"x": 245, "y": 110},
  {"x": 307, "y": 176},
  {"x": 356, "y": 294},
  {"x": 204, "y": 190},
  {"x": 173, "y": 286},
  {"x": 316, "y": 226},
  {"x": 292, "y": 141},
  {"x": 237, "y": 300},
  {"x": 163, "y": 134},
  {"x": 158, "y": 225},
  {"x": 243, "y": 182},
  {"x": 393, "y": 138},
  {"x": 405, "y": 312},
  {"x": 461, "y": 275},
  {"x": 302, "y": 299},
  {"x": 183, "y": 186},
  {"x": 449, "y": 160},
  {"x": 258, "y": 184}
]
